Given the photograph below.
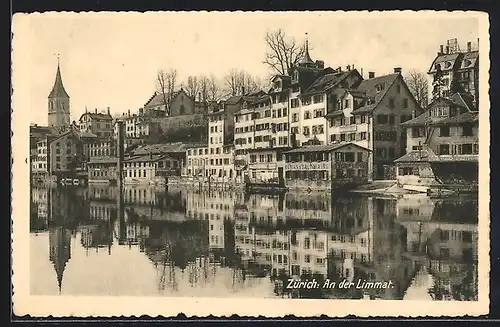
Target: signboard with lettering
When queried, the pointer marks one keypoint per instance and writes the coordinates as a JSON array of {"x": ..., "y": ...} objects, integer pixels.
[{"x": 325, "y": 165}]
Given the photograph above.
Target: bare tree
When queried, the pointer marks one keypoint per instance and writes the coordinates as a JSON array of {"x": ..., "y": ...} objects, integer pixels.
[
  {"x": 203, "y": 88},
  {"x": 193, "y": 86},
  {"x": 419, "y": 86},
  {"x": 282, "y": 52},
  {"x": 166, "y": 82},
  {"x": 214, "y": 89},
  {"x": 239, "y": 82}
]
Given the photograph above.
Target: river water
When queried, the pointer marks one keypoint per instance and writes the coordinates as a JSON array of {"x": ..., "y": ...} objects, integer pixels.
[{"x": 184, "y": 242}]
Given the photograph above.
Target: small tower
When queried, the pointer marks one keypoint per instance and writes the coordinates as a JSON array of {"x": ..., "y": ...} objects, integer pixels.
[
  {"x": 306, "y": 59},
  {"x": 58, "y": 103}
]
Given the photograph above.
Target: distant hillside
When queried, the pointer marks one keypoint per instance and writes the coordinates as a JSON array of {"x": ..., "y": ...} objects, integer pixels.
[{"x": 184, "y": 128}]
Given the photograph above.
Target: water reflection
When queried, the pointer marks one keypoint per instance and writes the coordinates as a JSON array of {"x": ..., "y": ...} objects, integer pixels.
[{"x": 180, "y": 242}]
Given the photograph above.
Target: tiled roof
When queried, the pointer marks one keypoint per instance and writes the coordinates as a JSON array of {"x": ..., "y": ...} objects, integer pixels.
[
  {"x": 147, "y": 158},
  {"x": 466, "y": 117},
  {"x": 419, "y": 120},
  {"x": 323, "y": 148},
  {"x": 463, "y": 100},
  {"x": 98, "y": 160},
  {"x": 454, "y": 157},
  {"x": 161, "y": 148},
  {"x": 99, "y": 115},
  {"x": 325, "y": 82},
  {"x": 155, "y": 101},
  {"x": 369, "y": 88},
  {"x": 416, "y": 156}
]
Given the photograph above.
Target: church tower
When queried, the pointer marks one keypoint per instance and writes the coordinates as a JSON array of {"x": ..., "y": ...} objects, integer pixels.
[{"x": 59, "y": 114}]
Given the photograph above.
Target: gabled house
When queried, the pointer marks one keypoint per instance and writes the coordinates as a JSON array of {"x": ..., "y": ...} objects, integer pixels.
[
  {"x": 370, "y": 116},
  {"x": 443, "y": 144}
]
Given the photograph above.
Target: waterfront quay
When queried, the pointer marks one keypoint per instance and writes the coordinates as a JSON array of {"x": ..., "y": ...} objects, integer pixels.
[{"x": 316, "y": 128}]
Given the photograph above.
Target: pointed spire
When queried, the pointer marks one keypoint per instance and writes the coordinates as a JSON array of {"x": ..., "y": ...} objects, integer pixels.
[
  {"x": 58, "y": 89},
  {"x": 306, "y": 59}
]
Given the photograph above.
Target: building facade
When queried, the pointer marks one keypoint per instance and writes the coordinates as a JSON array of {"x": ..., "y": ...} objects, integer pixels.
[
  {"x": 370, "y": 116},
  {"x": 98, "y": 123},
  {"x": 150, "y": 169},
  {"x": 445, "y": 137},
  {"x": 326, "y": 166},
  {"x": 455, "y": 70}
]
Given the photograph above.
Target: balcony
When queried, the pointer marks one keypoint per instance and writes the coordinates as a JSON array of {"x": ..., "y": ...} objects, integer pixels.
[
  {"x": 349, "y": 128},
  {"x": 263, "y": 165}
]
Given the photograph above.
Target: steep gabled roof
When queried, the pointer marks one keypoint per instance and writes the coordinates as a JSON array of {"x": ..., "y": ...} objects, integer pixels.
[
  {"x": 466, "y": 117},
  {"x": 326, "y": 82},
  {"x": 58, "y": 90},
  {"x": 369, "y": 88}
]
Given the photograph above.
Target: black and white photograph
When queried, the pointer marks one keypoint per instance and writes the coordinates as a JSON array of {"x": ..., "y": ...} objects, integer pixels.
[{"x": 240, "y": 163}]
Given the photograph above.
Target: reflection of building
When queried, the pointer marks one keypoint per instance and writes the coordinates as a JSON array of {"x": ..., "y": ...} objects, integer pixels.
[
  {"x": 59, "y": 250},
  {"x": 97, "y": 236}
]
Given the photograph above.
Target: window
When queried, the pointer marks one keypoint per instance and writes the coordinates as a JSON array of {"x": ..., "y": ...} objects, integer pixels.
[
  {"x": 307, "y": 115},
  {"x": 294, "y": 103},
  {"x": 466, "y": 148},
  {"x": 467, "y": 130},
  {"x": 405, "y": 103},
  {"x": 382, "y": 119},
  {"x": 444, "y": 149},
  {"x": 391, "y": 103},
  {"x": 363, "y": 119},
  {"x": 347, "y": 103},
  {"x": 306, "y": 130},
  {"x": 444, "y": 131}
]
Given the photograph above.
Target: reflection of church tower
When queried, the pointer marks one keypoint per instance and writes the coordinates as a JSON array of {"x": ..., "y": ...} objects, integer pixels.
[
  {"x": 59, "y": 114},
  {"x": 59, "y": 250}
]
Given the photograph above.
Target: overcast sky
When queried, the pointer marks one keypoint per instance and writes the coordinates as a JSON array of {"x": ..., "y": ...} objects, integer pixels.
[{"x": 110, "y": 59}]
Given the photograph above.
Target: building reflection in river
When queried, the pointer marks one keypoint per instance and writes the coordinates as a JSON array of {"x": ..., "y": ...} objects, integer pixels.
[{"x": 234, "y": 241}]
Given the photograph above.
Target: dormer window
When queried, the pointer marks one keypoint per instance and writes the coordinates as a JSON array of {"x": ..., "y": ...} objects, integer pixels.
[
  {"x": 447, "y": 64},
  {"x": 296, "y": 75},
  {"x": 437, "y": 66},
  {"x": 467, "y": 63},
  {"x": 379, "y": 87}
]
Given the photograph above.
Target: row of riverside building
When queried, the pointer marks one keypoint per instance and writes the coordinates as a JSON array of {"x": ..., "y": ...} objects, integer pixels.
[{"x": 314, "y": 128}]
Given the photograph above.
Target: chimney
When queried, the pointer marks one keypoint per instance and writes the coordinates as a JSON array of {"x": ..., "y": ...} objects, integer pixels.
[
  {"x": 109, "y": 112},
  {"x": 150, "y": 155},
  {"x": 447, "y": 49},
  {"x": 469, "y": 46},
  {"x": 361, "y": 73},
  {"x": 339, "y": 69},
  {"x": 397, "y": 70},
  {"x": 371, "y": 74},
  {"x": 441, "y": 49},
  {"x": 348, "y": 67},
  {"x": 95, "y": 110},
  {"x": 129, "y": 112},
  {"x": 413, "y": 114}
]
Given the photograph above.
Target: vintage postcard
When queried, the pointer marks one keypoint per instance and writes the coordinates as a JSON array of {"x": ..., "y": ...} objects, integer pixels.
[{"x": 250, "y": 163}]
